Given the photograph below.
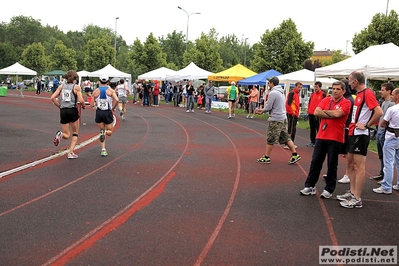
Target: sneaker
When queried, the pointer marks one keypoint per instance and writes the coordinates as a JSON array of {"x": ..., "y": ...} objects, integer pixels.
[
  {"x": 57, "y": 138},
  {"x": 263, "y": 159},
  {"x": 120, "y": 112},
  {"x": 395, "y": 187},
  {"x": 311, "y": 144},
  {"x": 377, "y": 177},
  {"x": 308, "y": 191},
  {"x": 326, "y": 194},
  {"x": 286, "y": 147},
  {"x": 123, "y": 117},
  {"x": 347, "y": 196},
  {"x": 252, "y": 117},
  {"x": 352, "y": 203},
  {"x": 187, "y": 111},
  {"x": 229, "y": 117},
  {"x": 104, "y": 152},
  {"x": 72, "y": 155},
  {"x": 247, "y": 116},
  {"x": 192, "y": 111},
  {"x": 344, "y": 180},
  {"x": 102, "y": 135},
  {"x": 294, "y": 159},
  {"x": 380, "y": 190}
]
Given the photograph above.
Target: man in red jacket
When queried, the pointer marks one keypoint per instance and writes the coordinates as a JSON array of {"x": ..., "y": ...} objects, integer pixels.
[
  {"x": 314, "y": 122},
  {"x": 293, "y": 108}
]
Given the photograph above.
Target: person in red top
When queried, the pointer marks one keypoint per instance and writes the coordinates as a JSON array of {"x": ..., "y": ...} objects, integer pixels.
[
  {"x": 366, "y": 112},
  {"x": 314, "y": 122},
  {"x": 293, "y": 108},
  {"x": 155, "y": 93},
  {"x": 333, "y": 112}
]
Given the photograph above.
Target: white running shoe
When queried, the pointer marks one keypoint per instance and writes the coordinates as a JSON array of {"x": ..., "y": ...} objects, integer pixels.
[{"x": 344, "y": 180}]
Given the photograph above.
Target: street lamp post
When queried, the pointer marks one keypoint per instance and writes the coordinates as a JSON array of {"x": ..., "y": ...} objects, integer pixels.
[
  {"x": 245, "y": 52},
  {"x": 188, "y": 17},
  {"x": 386, "y": 12},
  {"x": 116, "y": 19}
]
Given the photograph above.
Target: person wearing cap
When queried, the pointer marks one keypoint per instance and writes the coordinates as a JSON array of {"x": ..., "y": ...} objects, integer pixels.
[
  {"x": 277, "y": 128},
  {"x": 209, "y": 91},
  {"x": 232, "y": 97},
  {"x": 105, "y": 100},
  {"x": 70, "y": 95},
  {"x": 253, "y": 101}
]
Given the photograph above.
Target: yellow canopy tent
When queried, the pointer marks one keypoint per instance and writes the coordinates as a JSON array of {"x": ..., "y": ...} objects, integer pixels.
[{"x": 234, "y": 73}]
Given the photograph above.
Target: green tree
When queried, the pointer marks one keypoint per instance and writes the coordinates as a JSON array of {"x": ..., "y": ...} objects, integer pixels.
[
  {"x": 62, "y": 58},
  {"x": 230, "y": 51},
  {"x": 282, "y": 49},
  {"x": 8, "y": 54},
  {"x": 382, "y": 29},
  {"x": 33, "y": 57},
  {"x": 98, "y": 53},
  {"x": 173, "y": 46}
]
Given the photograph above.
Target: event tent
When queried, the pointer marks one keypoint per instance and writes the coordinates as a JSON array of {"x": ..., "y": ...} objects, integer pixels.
[
  {"x": 192, "y": 71},
  {"x": 234, "y": 73},
  {"x": 259, "y": 79},
  {"x": 305, "y": 76},
  {"x": 18, "y": 69},
  {"x": 379, "y": 62},
  {"x": 110, "y": 71},
  {"x": 157, "y": 74},
  {"x": 57, "y": 72}
]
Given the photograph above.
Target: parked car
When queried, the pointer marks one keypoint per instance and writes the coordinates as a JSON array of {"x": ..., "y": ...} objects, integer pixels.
[{"x": 220, "y": 93}]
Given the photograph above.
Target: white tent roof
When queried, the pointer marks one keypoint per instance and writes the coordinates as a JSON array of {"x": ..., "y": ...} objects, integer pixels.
[
  {"x": 83, "y": 73},
  {"x": 158, "y": 74},
  {"x": 305, "y": 76},
  {"x": 192, "y": 71},
  {"x": 376, "y": 62},
  {"x": 18, "y": 69},
  {"x": 110, "y": 71}
]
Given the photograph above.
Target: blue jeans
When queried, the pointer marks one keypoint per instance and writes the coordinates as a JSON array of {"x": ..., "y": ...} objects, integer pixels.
[
  {"x": 322, "y": 148},
  {"x": 146, "y": 101},
  {"x": 391, "y": 157},
  {"x": 380, "y": 138},
  {"x": 167, "y": 95},
  {"x": 190, "y": 102},
  {"x": 155, "y": 99}
]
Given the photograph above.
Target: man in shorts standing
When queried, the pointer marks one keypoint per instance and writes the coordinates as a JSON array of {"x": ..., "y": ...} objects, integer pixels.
[
  {"x": 277, "y": 130},
  {"x": 366, "y": 112},
  {"x": 105, "y": 100}
]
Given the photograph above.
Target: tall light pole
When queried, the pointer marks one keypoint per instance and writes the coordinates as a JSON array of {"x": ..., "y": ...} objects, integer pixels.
[
  {"x": 245, "y": 52},
  {"x": 188, "y": 17},
  {"x": 386, "y": 12},
  {"x": 116, "y": 19}
]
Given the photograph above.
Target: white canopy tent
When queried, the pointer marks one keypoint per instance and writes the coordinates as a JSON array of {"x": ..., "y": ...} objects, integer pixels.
[
  {"x": 377, "y": 62},
  {"x": 305, "y": 76},
  {"x": 158, "y": 74},
  {"x": 111, "y": 71},
  {"x": 18, "y": 69},
  {"x": 82, "y": 74},
  {"x": 192, "y": 71}
]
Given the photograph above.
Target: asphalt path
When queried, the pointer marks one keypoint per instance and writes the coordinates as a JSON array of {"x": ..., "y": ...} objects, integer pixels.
[{"x": 176, "y": 188}]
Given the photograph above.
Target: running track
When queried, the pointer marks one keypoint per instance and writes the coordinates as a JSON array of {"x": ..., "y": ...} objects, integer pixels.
[{"x": 177, "y": 188}]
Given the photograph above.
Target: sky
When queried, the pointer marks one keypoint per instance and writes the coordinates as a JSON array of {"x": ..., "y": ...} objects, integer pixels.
[{"x": 330, "y": 24}]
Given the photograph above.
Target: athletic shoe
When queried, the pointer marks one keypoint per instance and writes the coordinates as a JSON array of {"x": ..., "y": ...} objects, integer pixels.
[
  {"x": 263, "y": 159},
  {"x": 72, "y": 155},
  {"x": 229, "y": 117},
  {"x": 286, "y": 147},
  {"x": 192, "y": 111},
  {"x": 311, "y": 144},
  {"x": 395, "y": 187},
  {"x": 247, "y": 116},
  {"x": 377, "y": 177},
  {"x": 102, "y": 135},
  {"x": 326, "y": 194},
  {"x": 380, "y": 190},
  {"x": 347, "y": 196},
  {"x": 104, "y": 152},
  {"x": 57, "y": 138},
  {"x": 307, "y": 191},
  {"x": 344, "y": 180},
  {"x": 352, "y": 203},
  {"x": 120, "y": 113},
  {"x": 123, "y": 117},
  {"x": 187, "y": 111},
  {"x": 252, "y": 117},
  {"x": 294, "y": 159}
]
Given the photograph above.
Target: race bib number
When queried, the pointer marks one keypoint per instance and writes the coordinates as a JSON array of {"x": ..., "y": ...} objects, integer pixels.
[
  {"x": 102, "y": 104},
  {"x": 66, "y": 96},
  {"x": 354, "y": 114}
]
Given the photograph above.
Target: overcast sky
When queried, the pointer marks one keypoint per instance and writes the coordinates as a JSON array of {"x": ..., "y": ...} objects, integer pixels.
[{"x": 328, "y": 23}]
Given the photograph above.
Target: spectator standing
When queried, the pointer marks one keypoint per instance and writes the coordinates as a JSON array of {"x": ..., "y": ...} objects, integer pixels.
[
  {"x": 135, "y": 90},
  {"x": 277, "y": 128},
  {"x": 232, "y": 97},
  {"x": 293, "y": 108},
  {"x": 105, "y": 100},
  {"x": 253, "y": 101},
  {"x": 334, "y": 112},
  {"x": 146, "y": 93},
  {"x": 8, "y": 82},
  {"x": 66, "y": 98},
  {"x": 209, "y": 91},
  {"x": 176, "y": 94},
  {"x": 366, "y": 112},
  {"x": 168, "y": 92},
  {"x": 314, "y": 122},
  {"x": 56, "y": 83},
  {"x": 390, "y": 122},
  {"x": 190, "y": 97},
  {"x": 155, "y": 93},
  {"x": 385, "y": 93},
  {"x": 39, "y": 85}
]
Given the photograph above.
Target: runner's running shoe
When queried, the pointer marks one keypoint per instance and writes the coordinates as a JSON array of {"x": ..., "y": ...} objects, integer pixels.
[{"x": 57, "y": 138}]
